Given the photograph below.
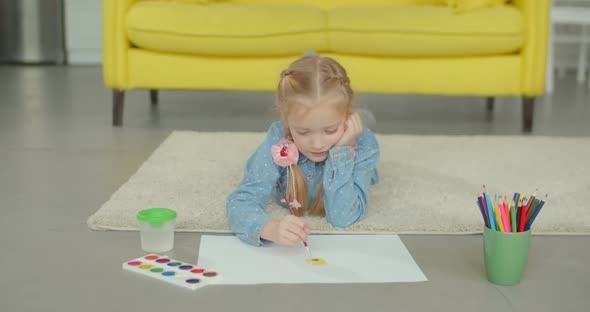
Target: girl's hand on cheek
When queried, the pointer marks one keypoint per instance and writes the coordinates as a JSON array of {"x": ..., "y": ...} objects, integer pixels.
[{"x": 353, "y": 127}]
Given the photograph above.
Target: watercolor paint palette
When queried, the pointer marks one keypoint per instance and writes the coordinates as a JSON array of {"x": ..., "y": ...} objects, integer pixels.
[{"x": 172, "y": 271}]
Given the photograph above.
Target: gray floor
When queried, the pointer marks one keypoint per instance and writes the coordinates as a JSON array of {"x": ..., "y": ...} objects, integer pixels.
[{"x": 61, "y": 159}]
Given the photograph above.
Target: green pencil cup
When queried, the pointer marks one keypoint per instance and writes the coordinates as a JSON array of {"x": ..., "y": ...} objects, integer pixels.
[{"x": 505, "y": 255}]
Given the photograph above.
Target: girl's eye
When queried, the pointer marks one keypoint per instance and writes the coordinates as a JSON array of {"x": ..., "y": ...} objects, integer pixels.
[
  {"x": 331, "y": 131},
  {"x": 302, "y": 132}
]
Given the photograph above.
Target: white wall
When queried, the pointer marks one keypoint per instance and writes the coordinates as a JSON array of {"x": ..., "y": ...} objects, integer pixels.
[{"x": 83, "y": 23}]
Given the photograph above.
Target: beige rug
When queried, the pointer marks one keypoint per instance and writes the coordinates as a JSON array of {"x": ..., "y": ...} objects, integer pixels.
[{"x": 428, "y": 183}]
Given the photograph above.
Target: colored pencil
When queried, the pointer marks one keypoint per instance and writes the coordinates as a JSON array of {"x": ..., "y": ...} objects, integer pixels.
[
  {"x": 503, "y": 216},
  {"x": 507, "y": 212},
  {"x": 534, "y": 207},
  {"x": 530, "y": 205},
  {"x": 530, "y": 223},
  {"x": 490, "y": 209},
  {"x": 522, "y": 217},
  {"x": 482, "y": 202},
  {"x": 518, "y": 212},
  {"x": 535, "y": 213},
  {"x": 518, "y": 216},
  {"x": 516, "y": 197},
  {"x": 498, "y": 216},
  {"x": 481, "y": 209},
  {"x": 513, "y": 213}
]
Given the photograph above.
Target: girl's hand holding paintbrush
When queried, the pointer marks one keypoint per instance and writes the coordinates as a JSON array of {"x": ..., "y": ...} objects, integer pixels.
[{"x": 289, "y": 230}]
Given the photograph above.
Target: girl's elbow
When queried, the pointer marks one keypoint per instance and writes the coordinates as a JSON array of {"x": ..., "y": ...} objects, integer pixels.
[{"x": 344, "y": 219}]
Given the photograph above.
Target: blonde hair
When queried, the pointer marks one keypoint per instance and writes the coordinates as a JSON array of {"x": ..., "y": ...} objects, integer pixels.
[{"x": 310, "y": 81}]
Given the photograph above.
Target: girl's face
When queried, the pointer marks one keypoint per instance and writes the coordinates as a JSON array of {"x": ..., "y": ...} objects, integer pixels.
[{"x": 316, "y": 130}]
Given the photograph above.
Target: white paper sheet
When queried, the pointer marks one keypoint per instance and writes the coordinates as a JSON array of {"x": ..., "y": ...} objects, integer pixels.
[{"x": 350, "y": 259}]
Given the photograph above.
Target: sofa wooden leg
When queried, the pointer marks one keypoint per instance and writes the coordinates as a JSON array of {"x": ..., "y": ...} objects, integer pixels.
[
  {"x": 490, "y": 103},
  {"x": 118, "y": 107},
  {"x": 154, "y": 97},
  {"x": 490, "y": 108},
  {"x": 527, "y": 113}
]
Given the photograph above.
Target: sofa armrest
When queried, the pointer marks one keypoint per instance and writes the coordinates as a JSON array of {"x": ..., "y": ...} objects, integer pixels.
[
  {"x": 115, "y": 43},
  {"x": 534, "y": 52}
]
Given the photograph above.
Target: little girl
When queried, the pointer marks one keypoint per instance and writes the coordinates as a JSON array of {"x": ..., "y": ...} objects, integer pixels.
[{"x": 317, "y": 159}]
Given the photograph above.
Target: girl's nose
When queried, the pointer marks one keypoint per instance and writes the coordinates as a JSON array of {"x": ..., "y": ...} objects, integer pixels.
[{"x": 316, "y": 143}]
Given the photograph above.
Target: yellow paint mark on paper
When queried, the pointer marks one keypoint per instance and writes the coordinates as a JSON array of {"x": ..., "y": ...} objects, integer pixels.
[{"x": 316, "y": 261}]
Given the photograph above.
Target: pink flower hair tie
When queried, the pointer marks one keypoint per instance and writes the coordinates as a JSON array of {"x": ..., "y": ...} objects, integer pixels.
[{"x": 286, "y": 154}]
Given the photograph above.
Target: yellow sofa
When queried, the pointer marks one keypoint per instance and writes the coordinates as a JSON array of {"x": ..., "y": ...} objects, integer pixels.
[{"x": 387, "y": 46}]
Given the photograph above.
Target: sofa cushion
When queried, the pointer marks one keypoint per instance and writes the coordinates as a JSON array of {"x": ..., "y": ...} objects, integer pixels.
[
  {"x": 227, "y": 29},
  {"x": 424, "y": 31}
]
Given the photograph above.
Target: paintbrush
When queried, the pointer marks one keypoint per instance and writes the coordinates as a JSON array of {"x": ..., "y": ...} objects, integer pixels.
[
  {"x": 304, "y": 242},
  {"x": 291, "y": 210}
]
